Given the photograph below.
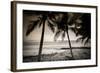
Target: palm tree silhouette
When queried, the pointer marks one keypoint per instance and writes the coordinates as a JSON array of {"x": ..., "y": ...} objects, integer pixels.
[
  {"x": 43, "y": 19},
  {"x": 85, "y": 29},
  {"x": 62, "y": 29},
  {"x": 82, "y": 28}
]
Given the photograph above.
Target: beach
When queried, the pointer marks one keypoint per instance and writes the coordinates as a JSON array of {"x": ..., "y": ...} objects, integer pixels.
[{"x": 59, "y": 51}]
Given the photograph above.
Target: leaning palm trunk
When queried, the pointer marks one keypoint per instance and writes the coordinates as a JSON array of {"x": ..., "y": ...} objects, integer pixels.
[
  {"x": 41, "y": 42},
  {"x": 70, "y": 45}
]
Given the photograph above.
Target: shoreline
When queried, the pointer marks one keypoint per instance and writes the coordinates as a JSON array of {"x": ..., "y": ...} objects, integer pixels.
[{"x": 79, "y": 54}]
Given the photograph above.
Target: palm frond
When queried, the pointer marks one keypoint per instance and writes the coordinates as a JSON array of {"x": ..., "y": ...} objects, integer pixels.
[
  {"x": 57, "y": 34},
  {"x": 52, "y": 16},
  {"x": 73, "y": 29},
  {"x": 51, "y": 26},
  {"x": 79, "y": 39},
  {"x": 40, "y": 23},
  {"x": 31, "y": 27},
  {"x": 87, "y": 41},
  {"x": 74, "y": 18},
  {"x": 52, "y": 21},
  {"x": 63, "y": 35}
]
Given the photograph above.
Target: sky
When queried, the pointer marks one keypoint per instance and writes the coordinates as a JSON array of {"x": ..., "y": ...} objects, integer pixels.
[{"x": 36, "y": 34}]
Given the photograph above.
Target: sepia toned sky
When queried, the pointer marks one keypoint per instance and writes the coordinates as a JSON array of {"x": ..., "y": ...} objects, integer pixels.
[{"x": 36, "y": 34}]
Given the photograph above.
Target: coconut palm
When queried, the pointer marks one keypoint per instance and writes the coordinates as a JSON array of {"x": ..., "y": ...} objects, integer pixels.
[
  {"x": 80, "y": 23},
  {"x": 43, "y": 19},
  {"x": 83, "y": 27},
  {"x": 62, "y": 29}
]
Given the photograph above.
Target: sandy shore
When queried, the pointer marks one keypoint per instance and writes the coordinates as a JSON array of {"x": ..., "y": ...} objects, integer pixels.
[{"x": 79, "y": 54}]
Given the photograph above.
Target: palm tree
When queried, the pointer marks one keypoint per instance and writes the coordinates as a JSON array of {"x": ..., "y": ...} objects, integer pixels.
[
  {"x": 82, "y": 28},
  {"x": 85, "y": 29},
  {"x": 62, "y": 29},
  {"x": 43, "y": 19}
]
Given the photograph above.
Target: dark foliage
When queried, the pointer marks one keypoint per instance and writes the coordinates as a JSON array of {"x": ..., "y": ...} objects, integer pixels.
[{"x": 82, "y": 28}]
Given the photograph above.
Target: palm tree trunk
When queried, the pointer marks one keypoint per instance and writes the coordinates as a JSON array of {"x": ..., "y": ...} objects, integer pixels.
[
  {"x": 41, "y": 42},
  {"x": 70, "y": 45}
]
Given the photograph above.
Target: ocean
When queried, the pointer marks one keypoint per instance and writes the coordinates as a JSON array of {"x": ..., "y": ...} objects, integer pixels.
[{"x": 31, "y": 48}]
